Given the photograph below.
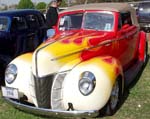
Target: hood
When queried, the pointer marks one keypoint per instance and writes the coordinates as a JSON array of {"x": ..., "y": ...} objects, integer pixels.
[{"x": 63, "y": 49}]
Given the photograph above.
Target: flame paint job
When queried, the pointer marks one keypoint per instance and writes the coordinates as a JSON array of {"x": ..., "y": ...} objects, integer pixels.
[{"x": 74, "y": 45}]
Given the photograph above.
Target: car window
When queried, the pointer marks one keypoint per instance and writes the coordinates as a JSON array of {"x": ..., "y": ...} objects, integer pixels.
[
  {"x": 126, "y": 18},
  {"x": 32, "y": 21},
  {"x": 41, "y": 20},
  {"x": 72, "y": 21},
  {"x": 120, "y": 22},
  {"x": 99, "y": 21},
  {"x": 4, "y": 23},
  {"x": 18, "y": 23}
]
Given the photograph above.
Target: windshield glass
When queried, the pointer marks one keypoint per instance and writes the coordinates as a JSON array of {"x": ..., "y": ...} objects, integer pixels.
[
  {"x": 72, "y": 21},
  {"x": 92, "y": 20},
  {"x": 3, "y": 23},
  {"x": 99, "y": 21}
]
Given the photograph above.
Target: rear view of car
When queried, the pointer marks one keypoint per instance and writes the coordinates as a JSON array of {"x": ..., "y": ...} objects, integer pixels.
[{"x": 144, "y": 15}]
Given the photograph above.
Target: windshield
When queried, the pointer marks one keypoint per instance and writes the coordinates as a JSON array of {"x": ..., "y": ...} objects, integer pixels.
[
  {"x": 99, "y": 21},
  {"x": 3, "y": 23},
  {"x": 92, "y": 20},
  {"x": 73, "y": 21}
]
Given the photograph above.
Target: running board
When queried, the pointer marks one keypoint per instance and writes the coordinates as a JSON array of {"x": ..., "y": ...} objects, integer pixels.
[{"x": 132, "y": 73}]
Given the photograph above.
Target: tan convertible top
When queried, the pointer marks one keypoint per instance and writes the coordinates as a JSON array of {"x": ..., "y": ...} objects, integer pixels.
[
  {"x": 116, "y": 7},
  {"x": 101, "y": 6}
]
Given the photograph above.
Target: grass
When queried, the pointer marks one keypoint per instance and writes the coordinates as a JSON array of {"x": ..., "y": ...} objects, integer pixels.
[{"x": 136, "y": 105}]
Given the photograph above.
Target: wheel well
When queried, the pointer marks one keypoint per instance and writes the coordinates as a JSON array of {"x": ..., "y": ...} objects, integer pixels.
[{"x": 121, "y": 82}]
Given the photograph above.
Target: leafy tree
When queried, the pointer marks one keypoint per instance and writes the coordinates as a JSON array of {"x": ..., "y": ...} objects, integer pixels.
[
  {"x": 41, "y": 6},
  {"x": 25, "y": 4},
  {"x": 63, "y": 4}
]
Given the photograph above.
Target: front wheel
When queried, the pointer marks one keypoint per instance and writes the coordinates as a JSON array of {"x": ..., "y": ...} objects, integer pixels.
[{"x": 115, "y": 98}]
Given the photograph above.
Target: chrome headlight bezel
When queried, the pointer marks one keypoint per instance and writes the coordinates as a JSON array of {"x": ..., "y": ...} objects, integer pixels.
[
  {"x": 87, "y": 83},
  {"x": 11, "y": 73}
]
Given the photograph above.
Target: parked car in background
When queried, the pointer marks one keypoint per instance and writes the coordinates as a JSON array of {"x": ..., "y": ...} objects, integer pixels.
[
  {"x": 143, "y": 13},
  {"x": 20, "y": 31},
  {"x": 85, "y": 68}
]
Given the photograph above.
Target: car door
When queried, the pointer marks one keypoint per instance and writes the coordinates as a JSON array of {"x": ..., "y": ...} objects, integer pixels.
[
  {"x": 36, "y": 31},
  {"x": 127, "y": 38},
  {"x": 19, "y": 32},
  {"x": 42, "y": 28}
]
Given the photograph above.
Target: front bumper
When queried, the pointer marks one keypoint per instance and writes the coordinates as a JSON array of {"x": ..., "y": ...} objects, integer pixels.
[{"x": 52, "y": 113}]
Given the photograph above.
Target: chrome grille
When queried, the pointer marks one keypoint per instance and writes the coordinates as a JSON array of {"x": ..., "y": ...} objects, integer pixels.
[
  {"x": 56, "y": 95},
  {"x": 41, "y": 90}
]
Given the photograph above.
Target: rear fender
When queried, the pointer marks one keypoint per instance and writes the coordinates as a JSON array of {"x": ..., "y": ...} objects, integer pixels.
[{"x": 142, "y": 45}]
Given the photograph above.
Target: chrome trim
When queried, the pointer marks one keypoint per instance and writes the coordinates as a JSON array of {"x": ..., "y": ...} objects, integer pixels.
[
  {"x": 52, "y": 113},
  {"x": 42, "y": 90},
  {"x": 84, "y": 49},
  {"x": 56, "y": 92}
]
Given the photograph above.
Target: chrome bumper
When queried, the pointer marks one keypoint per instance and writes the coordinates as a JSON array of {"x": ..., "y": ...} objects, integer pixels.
[{"x": 52, "y": 113}]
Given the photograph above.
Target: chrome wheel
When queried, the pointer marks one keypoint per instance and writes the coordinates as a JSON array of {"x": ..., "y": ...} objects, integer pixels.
[{"x": 114, "y": 100}]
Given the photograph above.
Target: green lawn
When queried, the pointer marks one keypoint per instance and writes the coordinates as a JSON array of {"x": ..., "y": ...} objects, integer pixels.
[{"x": 136, "y": 105}]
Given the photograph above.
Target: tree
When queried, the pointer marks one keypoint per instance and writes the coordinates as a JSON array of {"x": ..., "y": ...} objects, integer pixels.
[
  {"x": 63, "y": 4},
  {"x": 41, "y": 6},
  {"x": 25, "y": 4}
]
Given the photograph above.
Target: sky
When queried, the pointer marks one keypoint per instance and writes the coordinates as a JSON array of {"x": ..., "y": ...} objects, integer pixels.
[{"x": 10, "y": 2}]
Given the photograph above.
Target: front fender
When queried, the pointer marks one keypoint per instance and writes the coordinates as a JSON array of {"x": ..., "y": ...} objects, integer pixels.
[
  {"x": 24, "y": 75},
  {"x": 105, "y": 69}
]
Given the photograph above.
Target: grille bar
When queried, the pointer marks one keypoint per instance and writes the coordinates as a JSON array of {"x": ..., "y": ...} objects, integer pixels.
[
  {"x": 41, "y": 90},
  {"x": 56, "y": 96}
]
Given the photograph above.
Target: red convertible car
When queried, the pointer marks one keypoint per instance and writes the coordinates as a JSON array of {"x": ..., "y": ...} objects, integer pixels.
[{"x": 84, "y": 69}]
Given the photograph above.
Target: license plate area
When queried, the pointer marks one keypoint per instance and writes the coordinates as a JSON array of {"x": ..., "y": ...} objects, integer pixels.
[{"x": 10, "y": 92}]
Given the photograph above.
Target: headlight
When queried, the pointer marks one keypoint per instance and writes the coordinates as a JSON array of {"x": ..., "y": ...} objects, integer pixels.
[
  {"x": 87, "y": 83},
  {"x": 10, "y": 73}
]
